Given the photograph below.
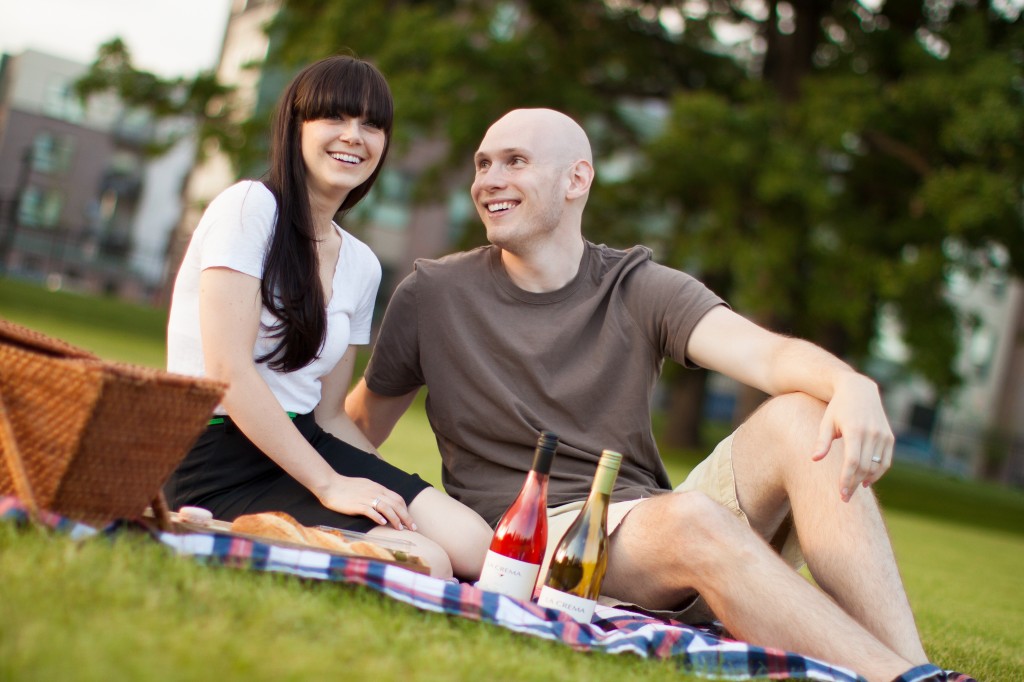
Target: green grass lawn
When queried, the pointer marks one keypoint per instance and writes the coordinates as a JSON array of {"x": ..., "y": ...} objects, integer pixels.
[
  {"x": 109, "y": 328},
  {"x": 127, "y": 610}
]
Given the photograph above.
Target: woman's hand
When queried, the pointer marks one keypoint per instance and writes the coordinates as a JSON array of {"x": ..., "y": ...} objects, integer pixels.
[{"x": 363, "y": 497}]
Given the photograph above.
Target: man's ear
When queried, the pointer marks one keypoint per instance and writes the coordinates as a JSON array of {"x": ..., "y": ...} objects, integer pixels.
[{"x": 581, "y": 177}]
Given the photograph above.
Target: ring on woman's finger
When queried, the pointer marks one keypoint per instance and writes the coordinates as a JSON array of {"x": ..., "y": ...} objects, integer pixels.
[
  {"x": 374, "y": 504},
  {"x": 877, "y": 459}
]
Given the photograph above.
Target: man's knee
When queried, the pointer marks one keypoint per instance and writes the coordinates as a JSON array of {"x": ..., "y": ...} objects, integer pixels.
[
  {"x": 699, "y": 528},
  {"x": 787, "y": 423},
  {"x": 790, "y": 408}
]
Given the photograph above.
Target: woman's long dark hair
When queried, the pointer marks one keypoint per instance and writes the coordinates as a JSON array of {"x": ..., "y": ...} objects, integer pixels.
[{"x": 291, "y": 287}]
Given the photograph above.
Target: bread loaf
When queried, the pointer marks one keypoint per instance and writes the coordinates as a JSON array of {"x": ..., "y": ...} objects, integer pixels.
[
  {"x": 318, "y": 538},
  {"x": 360, "y": 547},
  {"x": 369, "y": 549},
  {"x": 269, "y": 525},
  {"x": 277, "y": 525}
]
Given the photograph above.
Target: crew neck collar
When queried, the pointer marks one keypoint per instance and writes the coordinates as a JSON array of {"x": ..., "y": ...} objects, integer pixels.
[{"x": 505, "y": 282}]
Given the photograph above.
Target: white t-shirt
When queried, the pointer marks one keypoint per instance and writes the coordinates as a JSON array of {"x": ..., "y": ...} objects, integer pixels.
[{"x": 235, "y": 233}]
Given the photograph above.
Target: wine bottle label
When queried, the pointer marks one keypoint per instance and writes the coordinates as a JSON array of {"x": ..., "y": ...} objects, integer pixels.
[
  {"x": 508, "y": 576},
  {"x": 581, "y": 609}
]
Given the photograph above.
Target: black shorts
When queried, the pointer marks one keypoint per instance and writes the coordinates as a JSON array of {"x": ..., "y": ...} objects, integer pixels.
[{"x": 225, "y": 473}]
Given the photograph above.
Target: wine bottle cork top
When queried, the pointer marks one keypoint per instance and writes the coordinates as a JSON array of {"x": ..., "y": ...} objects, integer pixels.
[
  {"x": 545, "y": 453},
  {"x": 610, "y": 458},
  {"x": 607, "y": 471}
]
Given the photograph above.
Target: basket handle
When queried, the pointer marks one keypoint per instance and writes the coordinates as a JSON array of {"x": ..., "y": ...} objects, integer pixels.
[
  {"x": 161, "y": 512},
  {"x": 22, "y": 486}
]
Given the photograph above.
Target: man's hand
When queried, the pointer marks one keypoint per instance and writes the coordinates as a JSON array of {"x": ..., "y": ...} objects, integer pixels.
[{"x": 855, "y": 414}]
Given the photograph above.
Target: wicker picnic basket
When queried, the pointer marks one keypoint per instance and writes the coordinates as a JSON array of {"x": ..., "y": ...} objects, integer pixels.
[{"x": 90, "y": 439}]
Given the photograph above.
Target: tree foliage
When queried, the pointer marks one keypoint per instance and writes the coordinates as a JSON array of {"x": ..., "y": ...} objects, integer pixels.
[
  {"x": 818, "y": 162},
  {"x": 201, "y": 98}
]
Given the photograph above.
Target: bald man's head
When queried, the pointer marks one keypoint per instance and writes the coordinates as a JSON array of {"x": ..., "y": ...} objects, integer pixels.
[
  {"x": 556, "y": 134},
  {"x": 533, "y": 178}
]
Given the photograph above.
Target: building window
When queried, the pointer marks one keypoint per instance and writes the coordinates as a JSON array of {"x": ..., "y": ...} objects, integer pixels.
[
  {"x": 60, "y": 101},
  {"x": 40, "y": 208},
  {"x": 52, "y": 153}
]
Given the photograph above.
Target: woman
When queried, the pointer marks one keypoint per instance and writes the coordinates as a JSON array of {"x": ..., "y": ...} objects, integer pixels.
[{"x": 272, "y": 297}]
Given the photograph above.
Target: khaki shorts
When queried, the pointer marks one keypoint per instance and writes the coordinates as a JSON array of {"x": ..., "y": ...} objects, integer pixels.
[{"x": 714, "y": 477}]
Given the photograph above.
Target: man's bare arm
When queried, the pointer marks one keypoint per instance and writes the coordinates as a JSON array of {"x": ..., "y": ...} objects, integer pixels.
[
  {"x": 728, "y": 343},
  {"x": 375, "y": 414}
]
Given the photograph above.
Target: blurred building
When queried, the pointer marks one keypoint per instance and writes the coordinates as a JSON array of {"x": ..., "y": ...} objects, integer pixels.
[
  {"x": 979, "y": 429},
  {"x": 240, "y": 66},
  {"x": 82, "y": 204}
]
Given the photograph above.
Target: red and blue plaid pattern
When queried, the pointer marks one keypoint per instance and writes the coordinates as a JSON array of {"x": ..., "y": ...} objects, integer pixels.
[{"x": 614, "y": 631}]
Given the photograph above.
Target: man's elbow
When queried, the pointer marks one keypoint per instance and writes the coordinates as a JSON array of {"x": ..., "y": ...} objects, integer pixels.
[{"x": 359, "y": 410}]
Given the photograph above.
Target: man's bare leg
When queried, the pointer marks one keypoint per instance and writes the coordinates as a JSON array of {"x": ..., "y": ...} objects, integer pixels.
[
  {"x": 672, "y": 544},
  {"x": 845, "y": 544}
]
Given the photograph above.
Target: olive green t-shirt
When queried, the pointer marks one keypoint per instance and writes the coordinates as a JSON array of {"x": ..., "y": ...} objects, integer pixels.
[{"x": 502, "y": 364}]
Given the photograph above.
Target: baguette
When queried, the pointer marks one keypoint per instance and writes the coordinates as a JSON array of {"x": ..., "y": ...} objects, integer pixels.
[
  {"x": 361, "y": 547},
  {"x": 269, "y": 525},
  {"x": 318, "y": 538},
  {"x": 277, "y": 525}
]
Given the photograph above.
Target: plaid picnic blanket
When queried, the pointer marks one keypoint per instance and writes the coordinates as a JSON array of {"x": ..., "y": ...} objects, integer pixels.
[{"x": 696, "y": 651}]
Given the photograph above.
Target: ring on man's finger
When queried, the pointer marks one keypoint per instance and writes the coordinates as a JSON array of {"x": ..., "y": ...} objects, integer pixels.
[
  {"x": 374, "y": 504},
  {"x": 877, "y": 459}
]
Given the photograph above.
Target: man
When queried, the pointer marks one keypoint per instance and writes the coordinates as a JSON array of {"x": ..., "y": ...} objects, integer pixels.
[{"x": 544, "y": 330}]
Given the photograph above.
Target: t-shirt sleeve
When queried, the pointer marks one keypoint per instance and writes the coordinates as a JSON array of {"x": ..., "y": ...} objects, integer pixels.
[
  {"x": 236, "y": 228},
  {"x": 667, "y": 304},
  {"x": 394, "y": 367}
]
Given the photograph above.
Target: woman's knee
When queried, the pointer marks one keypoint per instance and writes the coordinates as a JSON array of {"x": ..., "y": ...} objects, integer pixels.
[
  {"x": 435, "y": 557},
  {"x": 460, "y": 531},
  {"x": 432, "y": 554}
]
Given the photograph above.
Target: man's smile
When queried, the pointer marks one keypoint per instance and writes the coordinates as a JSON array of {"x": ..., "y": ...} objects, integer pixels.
[{"x": 495, "y": 207}]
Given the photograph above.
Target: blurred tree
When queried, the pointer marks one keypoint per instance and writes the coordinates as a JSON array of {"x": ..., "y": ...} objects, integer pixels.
[
  {"x": 817, "y": 162},
  {"x": 456, "y": 66},
  {"x": 854, "y": 179},
  {"x": 201, "y": 101},
  {"x": 201, "y": 98}
]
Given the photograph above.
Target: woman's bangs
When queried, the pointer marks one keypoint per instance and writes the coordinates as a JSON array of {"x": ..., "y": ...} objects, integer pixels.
[{"x": 349, "y": 89}]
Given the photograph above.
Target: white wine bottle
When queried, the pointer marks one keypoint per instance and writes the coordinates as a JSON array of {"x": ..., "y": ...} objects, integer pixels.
[{"x": 577, "y": 568}]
